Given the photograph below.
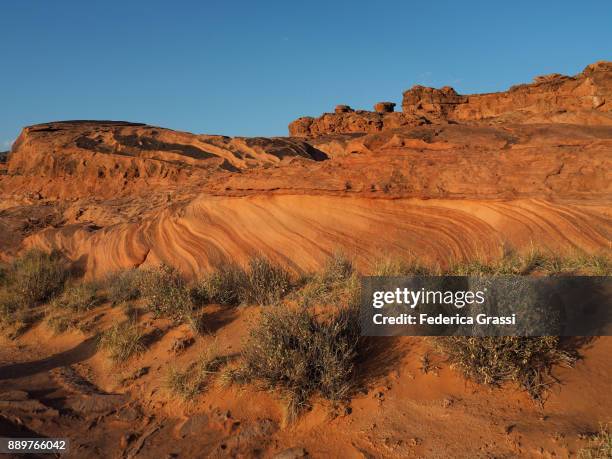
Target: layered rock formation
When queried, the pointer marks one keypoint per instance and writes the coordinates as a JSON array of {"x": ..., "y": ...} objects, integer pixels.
[
  {"x": 582, "y": 99},
  {"x": 77, "y": 158},
  {"x": 449, "y": 177}
]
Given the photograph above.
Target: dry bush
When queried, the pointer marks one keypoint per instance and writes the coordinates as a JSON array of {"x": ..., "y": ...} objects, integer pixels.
[
  {"x": 393, "y": 267},
  {"x": 600, "y": 445},
  {"x": 535, "y": 261},
  {"x": 15, "y": 316},
  {"x": 338, "y": 284},
  {"x": 37, "y": 276},
  {"x": 266, "y": 282},
  {"x": 122, "y": 341},
  {"x": 168, "y": 295},
  {"x": 301, "y": 355},
  {"x": 224, "y": 286},
  {"x": 78, "y": 297},
  {"x": 4, "y": 270},
  {"x": 194, "y": 380},
  {"x": 61, "y": 323},
  {"x": 123, "y": 286},
  {"x": 183, "y": 384},
  {"x": 263, "y": 282},
  {"x": 526, "y": 361}
]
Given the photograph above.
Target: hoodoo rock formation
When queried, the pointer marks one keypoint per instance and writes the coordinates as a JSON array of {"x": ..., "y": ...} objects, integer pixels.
[
  {"x": 384, "y": 107},
  {"x": 582, "y": 99},
  {"x": 451, "y": 176}
]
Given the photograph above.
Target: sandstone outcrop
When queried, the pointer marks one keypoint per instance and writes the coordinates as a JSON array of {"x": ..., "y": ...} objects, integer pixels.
[
  {"x": 75, "y": 158},
  {"x": 343, "y": 109},
  {"x": 356, "y": 122},
  {"x": 585, "y": 98},
  {"x": 384, "y": 107},
  {"x": 434, "y": 104},
  {"x": 450, "y": 176}
]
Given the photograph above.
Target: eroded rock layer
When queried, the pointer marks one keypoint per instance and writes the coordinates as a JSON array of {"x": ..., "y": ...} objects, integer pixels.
[
  {"x": 582, "y": 99},
  {"x": 451, "y": 177}
]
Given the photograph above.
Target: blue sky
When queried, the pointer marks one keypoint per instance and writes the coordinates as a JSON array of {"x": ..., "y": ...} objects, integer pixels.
[{"x": 249, "y": 68}]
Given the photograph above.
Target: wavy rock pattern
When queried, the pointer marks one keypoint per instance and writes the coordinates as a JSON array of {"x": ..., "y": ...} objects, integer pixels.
[{"x": 301, "y": 231}]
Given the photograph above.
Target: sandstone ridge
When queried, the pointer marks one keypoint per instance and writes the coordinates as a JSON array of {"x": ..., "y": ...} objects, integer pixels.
[{"x": 585, "y": 98}]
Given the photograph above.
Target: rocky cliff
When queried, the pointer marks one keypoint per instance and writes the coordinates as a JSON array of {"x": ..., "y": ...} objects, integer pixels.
[{"x": 585, "y": 98}]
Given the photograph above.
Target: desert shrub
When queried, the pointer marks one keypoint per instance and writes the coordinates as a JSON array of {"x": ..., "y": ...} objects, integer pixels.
[
  {"x": 591, "y": 264},
  {"x": 122, "y": 340},
  {"x": 337, "y": 284},
  {"x": 224, "y": 286},
  {"x": 60, "y": 323},
  {"x": 526, "y": 361},
  {"x": 600, "y": 445},
  {"x": 167, "y": 294},
  {"x": 78, "y": 298},
  {"x": 534, "y": 261},
  {"x": 266, "y": 282},
  {"x": 338, "y": 268},
  {"x": 15, "y": 316},
  {"x": 183, "y": 384},
  {"x": 37, "y": 276},
  {"x": 301, "y": 355},
  {"x": 3, "y": 274},
  {"x": 123, "y": 286},
  {"x": 192, "y": 381}
]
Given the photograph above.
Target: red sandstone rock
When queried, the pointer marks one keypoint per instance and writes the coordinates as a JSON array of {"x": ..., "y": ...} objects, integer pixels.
[
  {"x": 582, "y": 99},
  {"x": 384, "y": 107},
  {"x": 343, "y": 109}
]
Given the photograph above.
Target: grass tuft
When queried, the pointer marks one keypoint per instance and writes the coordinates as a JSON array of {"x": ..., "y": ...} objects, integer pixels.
[
  {"x": 78, "y": 298},
  {"x": 400, "y": 267},
  {"x": 191, "y": 382},
  {"x": 122, "y": 341},
  {"x": 600, "y": 445}
]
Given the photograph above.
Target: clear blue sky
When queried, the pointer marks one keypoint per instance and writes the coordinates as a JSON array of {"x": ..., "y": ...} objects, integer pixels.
[{"x": 250, "y": 67}]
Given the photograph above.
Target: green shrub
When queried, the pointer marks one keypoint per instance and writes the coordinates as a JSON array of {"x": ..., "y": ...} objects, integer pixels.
[
  {"x": 123, "y": 286},
  {"x": 37, "y": 276},
  {"x": 301, "y": 355},
  {"x": 78, "y": 298},
  {"x": 526, "y": 361},
  {"x": 122, "y": 341}
]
